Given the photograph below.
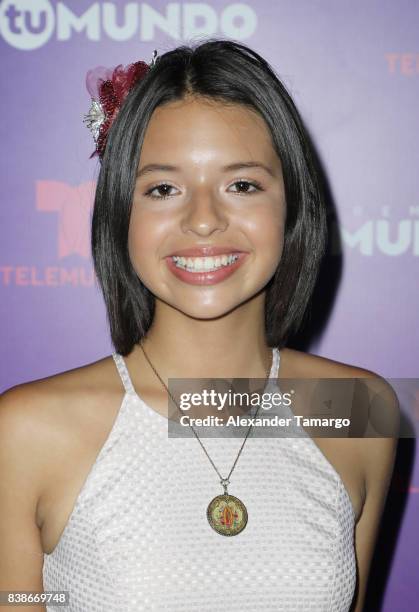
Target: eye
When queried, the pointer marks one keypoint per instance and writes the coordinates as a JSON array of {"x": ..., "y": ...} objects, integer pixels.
[
  {"x": 165, "y": 195},
  {"x": 257, "y": 186},
  {"x": 165, "y": 187}
]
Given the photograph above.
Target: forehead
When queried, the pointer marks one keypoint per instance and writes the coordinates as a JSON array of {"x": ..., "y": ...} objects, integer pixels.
[{"x": 197, "y": 124}]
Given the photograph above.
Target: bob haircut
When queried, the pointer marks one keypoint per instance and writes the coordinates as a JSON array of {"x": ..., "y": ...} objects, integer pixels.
[{"x": 228, "y": 72}]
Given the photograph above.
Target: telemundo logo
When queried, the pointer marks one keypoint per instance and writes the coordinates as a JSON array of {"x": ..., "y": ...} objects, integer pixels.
[{"x": 30, "y": 24}]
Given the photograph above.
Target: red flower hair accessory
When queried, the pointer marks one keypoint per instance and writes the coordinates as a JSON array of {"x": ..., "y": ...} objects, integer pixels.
[{"x": 108, "y": 88}]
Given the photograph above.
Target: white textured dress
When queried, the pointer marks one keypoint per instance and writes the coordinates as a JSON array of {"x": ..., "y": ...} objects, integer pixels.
[{"x": 138, "y": 538}]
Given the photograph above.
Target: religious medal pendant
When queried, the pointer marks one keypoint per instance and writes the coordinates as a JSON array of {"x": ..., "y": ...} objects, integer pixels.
[{"x": 227, "y": 514}]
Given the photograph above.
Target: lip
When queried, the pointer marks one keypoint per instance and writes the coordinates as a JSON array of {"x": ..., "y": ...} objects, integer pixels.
[
  {"x": 206, "y": 251},
  {"x": 206, "y": 278}
]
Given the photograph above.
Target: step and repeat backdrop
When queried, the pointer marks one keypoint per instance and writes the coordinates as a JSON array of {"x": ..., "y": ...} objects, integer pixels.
[{"x": 353, "y": 71}]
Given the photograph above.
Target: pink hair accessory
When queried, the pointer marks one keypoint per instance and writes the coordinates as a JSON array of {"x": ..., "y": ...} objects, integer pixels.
[{"x": 108, "y": 88}]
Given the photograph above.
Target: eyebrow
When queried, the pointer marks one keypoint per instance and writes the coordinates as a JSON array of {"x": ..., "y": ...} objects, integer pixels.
[{"x": 236, "y": 166}]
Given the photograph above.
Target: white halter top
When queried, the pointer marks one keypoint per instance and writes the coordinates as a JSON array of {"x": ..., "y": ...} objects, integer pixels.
[{"x": 138, "y": 538}]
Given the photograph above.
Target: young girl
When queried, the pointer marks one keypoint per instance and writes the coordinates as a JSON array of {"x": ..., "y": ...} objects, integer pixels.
[{"x": 208, "y": 231}]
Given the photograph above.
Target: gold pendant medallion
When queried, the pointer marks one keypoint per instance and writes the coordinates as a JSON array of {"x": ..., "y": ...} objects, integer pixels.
[{"x": 227, "y": 514}]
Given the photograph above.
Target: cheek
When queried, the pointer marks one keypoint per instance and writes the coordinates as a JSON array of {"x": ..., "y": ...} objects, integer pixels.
[
  {"x": 144, "y": 240},
  {"x": 137, "y": 244},
  {"x": 266, "y": 228}
]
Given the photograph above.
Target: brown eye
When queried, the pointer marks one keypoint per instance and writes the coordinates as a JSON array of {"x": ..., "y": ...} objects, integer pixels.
[
  {"x": 163, "y": 187},
  {"x": 244, "y": 186}
]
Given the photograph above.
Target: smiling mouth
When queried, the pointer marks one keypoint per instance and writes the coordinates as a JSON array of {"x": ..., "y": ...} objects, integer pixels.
[
  {"x": 204, "y": 264},
  {"x": 205, "y": 270}
]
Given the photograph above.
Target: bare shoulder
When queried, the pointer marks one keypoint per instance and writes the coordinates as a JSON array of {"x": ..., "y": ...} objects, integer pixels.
[
  {"x": 42, "y": 420},
  {"x": 380, "y": 394},
  {"x": 308, "y": 365},
  {"x": 41, "y": 403},
  {"x": 373, "y": 454},
  {"x": 48, "y": 432}
]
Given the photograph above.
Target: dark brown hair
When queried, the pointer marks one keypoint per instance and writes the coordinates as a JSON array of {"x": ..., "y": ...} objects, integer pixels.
[{"x": 230, "y": 72}]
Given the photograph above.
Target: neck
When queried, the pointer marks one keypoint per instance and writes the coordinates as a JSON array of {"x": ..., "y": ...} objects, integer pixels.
[{"x": 230, "y": 346}]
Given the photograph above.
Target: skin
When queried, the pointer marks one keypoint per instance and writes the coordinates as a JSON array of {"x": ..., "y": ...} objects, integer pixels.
[
  {"x": 52, "y": 430},
  {"x": 206, "y": 206}
]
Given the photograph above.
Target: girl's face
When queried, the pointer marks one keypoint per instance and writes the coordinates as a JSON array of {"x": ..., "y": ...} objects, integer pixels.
[{"x": 208, "y": 176}]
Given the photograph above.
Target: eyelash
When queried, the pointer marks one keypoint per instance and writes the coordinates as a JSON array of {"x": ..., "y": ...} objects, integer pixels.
[{"x": 255, "y": 184}]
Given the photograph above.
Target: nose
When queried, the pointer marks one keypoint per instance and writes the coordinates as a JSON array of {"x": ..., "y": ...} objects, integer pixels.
[{"x": 204, "y": 214}]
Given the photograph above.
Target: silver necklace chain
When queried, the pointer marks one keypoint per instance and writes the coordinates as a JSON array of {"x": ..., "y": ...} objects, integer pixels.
[{"x": 223, "y": 481}]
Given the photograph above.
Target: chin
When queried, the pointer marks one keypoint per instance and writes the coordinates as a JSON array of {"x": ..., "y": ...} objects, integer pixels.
[{"x": 199, "y": 310}]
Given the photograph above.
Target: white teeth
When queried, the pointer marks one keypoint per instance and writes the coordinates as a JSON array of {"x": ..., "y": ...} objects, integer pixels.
[{"x": 204, "y": 264}]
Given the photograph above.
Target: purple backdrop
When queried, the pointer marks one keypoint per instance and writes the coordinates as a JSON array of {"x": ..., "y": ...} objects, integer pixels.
[{"x": 353, "y": 70}]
